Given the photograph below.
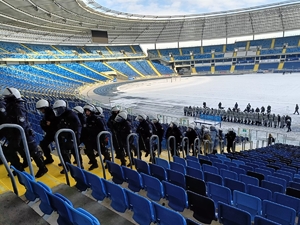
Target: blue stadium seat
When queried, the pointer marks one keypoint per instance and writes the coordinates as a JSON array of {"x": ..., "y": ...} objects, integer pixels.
[
  {"x": 192, "y": 158},
  {"x": 153, "y": 186},
  {"x": 58, "y": 203},
  {"x": 116, "y": 172},
  {"x": 249, "y": 180},
  {"x": 229, "y": 215},
  {"x": 220, "y": 166},
  {"x": 41, "y": 191},
  {"x": 278, "y": 213},
  {"x": 80, "y": 216},
  {"x": 176, "y": 196},
  {"x": 228, "y": 174},
  {"x": 249, "y": 203},
  {"x": 133, "y": 178},
  {"x": 79, "y": 177},
  {"x": 165, "y": 216},
  {"x": 141, "y": 166},
  {"x": 158, "y": 172},
  {"x": 277, "y": 180},
  {"x": 234, "y": 185},
  {"x": 177, "y": 167},
  {"x": 237, "y": 170},
  {"x": 210, "y": 169},
  {"x": 263, "y": 171},
  {"x": 95, "y": 183},
  {"x": 24, "y": 179},
  {"x": 197, "y": 173},
  {"x": 179, "y": 160},
  {"x": 262, "y": 193},
  {"x": 274, "y": 187},
  {"x": 219, "y": 193},
  {"x": 162, "y": 162},
  {"x": 117, "y": 195},
  {"x": 287, "y": 200},
  {"x": 176, "y": 178},
  {"x": 294, "y": 184},
  {"x": 214, "y": 178},
  {"x": 143, "y": 212},
  {"x": 194, "y": 164}
]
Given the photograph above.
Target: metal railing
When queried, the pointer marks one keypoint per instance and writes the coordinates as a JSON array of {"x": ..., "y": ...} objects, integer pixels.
[
  {"x": 185, "y": 142},
  {"x": 99, "y": 150},
  {"x": 197, "y": 140},
  {"x": 59, "y": 151},
  {"x": 129, "y": 148},
  {"x": 168, "y": 146},
  {"x": 151, "y": 147}
]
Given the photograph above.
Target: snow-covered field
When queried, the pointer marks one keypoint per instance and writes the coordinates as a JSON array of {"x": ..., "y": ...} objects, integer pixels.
[{"x": 169, "y": 96}]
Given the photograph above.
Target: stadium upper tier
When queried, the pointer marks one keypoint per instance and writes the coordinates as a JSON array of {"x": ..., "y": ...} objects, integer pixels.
[
  {"x": 71, "y": 21},
  {"x": 272, "y": 46},
  {"x": 34, "y": 51}
]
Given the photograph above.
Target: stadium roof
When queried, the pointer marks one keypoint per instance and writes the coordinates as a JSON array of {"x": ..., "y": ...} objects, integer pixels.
[{"x": 71, "y": 22}]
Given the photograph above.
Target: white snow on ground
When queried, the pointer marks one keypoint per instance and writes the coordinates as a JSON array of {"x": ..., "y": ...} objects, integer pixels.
[{"x": 169, "y": 96}]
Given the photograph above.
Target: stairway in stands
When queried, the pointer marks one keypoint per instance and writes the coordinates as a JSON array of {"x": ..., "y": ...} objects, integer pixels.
[{"x": 17, "y": 209}]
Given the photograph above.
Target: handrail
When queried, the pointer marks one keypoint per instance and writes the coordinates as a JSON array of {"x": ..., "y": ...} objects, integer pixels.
[
  {"x": 12, "y": 178},
  {"x": 197, "y": 140},
  {"x": 24, "y": 140},
  {"x": 99, "y": 150},
  {"x": 59, "y": 150},
  {"x": 187, "y": 144},
  {"x": 168, "y": 146},
  {"x": 129, "y": 150},
  {"x": 151, "y": 147}
]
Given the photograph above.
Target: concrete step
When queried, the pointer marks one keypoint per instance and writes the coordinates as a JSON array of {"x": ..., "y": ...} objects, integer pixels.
[
  {"x": 15, "y": 211},
  {"x": 102, "y": 211}
]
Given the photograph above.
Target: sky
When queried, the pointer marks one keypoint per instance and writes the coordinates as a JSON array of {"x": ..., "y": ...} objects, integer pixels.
[{"x": 180, "y": 7}]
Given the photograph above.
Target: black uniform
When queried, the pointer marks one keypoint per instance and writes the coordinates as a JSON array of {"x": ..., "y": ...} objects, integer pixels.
[
  {"x": 145, "y": 132},
  {"x": 191, "y": 135},
  {"x": 159, "y": 131},
  {"x": 16, "y": 114},
  {"x": 94, "y": 126},
  {"x": 2, "y": 119},
  {"x": 122, "y": 130},
  {"x": 111, "y": 124},
  {"x": 50, "y": 131},
  {"x": 70, "y": 120},
  {"x": 230, "y": 137},
  {"x": 296, "y": 109},
  {"x": 174, "y": 131}
]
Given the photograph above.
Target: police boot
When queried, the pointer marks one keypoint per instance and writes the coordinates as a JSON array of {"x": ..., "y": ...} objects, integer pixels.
[
  {"x": 93, "y": 166},
  {"x": 39, "y": 161}
]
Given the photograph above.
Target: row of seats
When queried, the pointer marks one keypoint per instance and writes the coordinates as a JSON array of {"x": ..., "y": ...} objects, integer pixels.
[
  {"x": 9, "y": 47},
  {"x": 54, "y": 202},
  {"x": 144, "y": 211},
  {"x": 176, "y": 195}
]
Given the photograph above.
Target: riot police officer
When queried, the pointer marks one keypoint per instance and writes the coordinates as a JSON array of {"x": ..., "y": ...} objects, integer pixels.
[
  {"x": 94, "y": 126},
  {"x": 158, "y": 130},
  {"x": 67, "y": 119},
  {"x": 191, "y": 135},
  {"x": 111, "y": 124},
  {"x": 173, "y": 130},
  {"x": 16, "y": 114},
  {"x": 49, "y": 126},
  {"x": 122, "y": 129},
  {"x": 145, "y": 132}
]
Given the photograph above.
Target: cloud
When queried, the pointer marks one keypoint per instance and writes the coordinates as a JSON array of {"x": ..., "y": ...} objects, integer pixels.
[{"x": 180, "y": 7}]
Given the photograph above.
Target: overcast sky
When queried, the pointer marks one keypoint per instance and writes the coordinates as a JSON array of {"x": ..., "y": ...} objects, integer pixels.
[{"x": 180, "y": 7}]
